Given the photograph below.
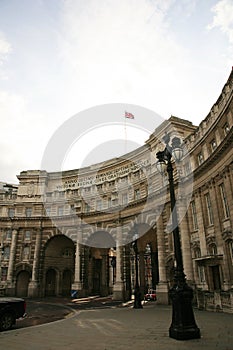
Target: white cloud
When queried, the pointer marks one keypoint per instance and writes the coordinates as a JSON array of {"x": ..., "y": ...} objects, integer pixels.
[
  {"x": 223, "y": 18},
  {"x": 5, "y": 49},
  {"x": 23, "y": 136},
  {"x": 5, "y": 46},
  {"x": 118, "y": 51}
]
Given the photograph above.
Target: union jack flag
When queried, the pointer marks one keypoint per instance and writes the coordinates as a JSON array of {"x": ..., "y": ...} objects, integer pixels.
[{"x": 129, "y": 115}]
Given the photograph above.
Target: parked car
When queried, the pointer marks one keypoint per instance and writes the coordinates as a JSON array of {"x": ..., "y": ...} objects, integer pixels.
[
  {"x": 151, "y": 295},
  {"x": 10, "y": 310}
]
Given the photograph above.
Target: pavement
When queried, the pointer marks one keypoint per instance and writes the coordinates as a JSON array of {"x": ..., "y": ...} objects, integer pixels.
[{"x": 100, "y": 324}]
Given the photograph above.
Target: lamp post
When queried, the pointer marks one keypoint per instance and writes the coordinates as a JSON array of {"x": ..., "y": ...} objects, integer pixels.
[
  {"x": 137, "y": 293},
  {"x": 183, "y": 324}
]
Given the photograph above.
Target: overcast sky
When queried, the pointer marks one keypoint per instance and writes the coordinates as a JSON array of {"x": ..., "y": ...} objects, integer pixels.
[{"x": 59, "y": 57}]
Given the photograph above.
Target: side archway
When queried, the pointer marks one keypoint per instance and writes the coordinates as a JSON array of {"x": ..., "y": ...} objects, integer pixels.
[{"x": 22, "y": 282}]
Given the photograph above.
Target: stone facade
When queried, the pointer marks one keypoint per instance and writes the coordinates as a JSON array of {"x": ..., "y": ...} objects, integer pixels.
[{"x": 74, "y": 230}]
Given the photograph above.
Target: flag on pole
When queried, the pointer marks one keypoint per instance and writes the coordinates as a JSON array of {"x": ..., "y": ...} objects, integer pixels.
[{"x": 129, "y": 115}]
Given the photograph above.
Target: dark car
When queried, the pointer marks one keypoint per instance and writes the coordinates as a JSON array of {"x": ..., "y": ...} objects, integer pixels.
[
  {"x": 10, "y": 310},
  {"x": 151, "y": 295}
]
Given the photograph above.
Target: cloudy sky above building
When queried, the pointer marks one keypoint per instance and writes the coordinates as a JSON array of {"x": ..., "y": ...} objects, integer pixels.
[{"x": 60, "y": 57}]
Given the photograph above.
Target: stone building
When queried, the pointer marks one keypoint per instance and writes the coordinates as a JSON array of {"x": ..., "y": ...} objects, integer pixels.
[{"x": 73, "y": 230}]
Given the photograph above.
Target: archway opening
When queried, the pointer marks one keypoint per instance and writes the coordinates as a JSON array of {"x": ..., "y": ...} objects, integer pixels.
[
  {"x": 22, "y": 282},
  {"x": 58, "y": 265}
]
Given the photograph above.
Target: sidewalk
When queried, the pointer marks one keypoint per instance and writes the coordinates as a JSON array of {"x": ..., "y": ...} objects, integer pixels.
[{"x": 121, "y": 328}]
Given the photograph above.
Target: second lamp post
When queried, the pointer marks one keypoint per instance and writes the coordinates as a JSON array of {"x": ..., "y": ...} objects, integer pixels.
[
  {"x": 137, "y": 292},
  {"x": 183, "y": 324}
]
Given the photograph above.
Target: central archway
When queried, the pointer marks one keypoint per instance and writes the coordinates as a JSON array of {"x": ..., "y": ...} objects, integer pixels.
[
  {"x": 99, "y": 267},
  {"x": 58, "y": 266}
]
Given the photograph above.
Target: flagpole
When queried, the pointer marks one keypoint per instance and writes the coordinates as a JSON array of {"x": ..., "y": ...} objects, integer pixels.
[
  {"x": 125, "y": 137},
  {"x": 130, "y": 116}
]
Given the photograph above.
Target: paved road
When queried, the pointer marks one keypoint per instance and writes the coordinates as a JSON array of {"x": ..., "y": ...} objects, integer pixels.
[
  {"x": 40, "y": 311},
  {"x": 121, "y": 328}
]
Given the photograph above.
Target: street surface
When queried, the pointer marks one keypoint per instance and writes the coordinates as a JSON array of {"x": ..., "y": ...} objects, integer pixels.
[{"x": 104, "y": 325}]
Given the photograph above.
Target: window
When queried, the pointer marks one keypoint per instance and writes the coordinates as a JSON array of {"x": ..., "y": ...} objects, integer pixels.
[
  {"x": 197, "y": 253},
  {"x": 60, "y": 211},
  {"x": 209, "y": 209},
  {"x": 28, "y": 212},
  {"x": 67, "y": 252},
  {"x": 226, "y": 129},
  {"x": 26, "y": 252},
  {"x": 4, "y": 274},
  {"x": 194, "y": 215},
  {"x": 87, "y": 208},
  {"x": 230, "y": 245},
  {"x": 200, "y": 158},
  {"x": 6, "y": 253},
  {"x": 8, "y": 234},
  {"x": 213, "y": 145},
  {"x": 109, "y": 202},
  {"x": 137, "y": 194},
  {"x": 11, "y": 212},
  {"x": 27, "y": 236},
  {"x": 224, "y": 201},
  {"x": 125, "y": 198},
  {"x": 48, "y": 211},
  {"x": 201, "y": 273},
  {"x": 99, "y": 205},
  {"x": 212, "y": 249}
]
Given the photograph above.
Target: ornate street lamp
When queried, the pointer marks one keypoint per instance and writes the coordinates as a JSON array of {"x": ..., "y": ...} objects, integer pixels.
[
  {"x": 137, "y": 293},
  {"x": 183, "y": 324}
]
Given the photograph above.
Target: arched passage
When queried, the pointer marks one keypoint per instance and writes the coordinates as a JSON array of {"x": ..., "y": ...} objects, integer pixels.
[
  {"x": 145, "y": 239},
  {"x": 66, "y": 282},
  {"x": 58, "y": 265},
  {"x": 99, "y": 267},
  {"x": 50, "y": 283}
]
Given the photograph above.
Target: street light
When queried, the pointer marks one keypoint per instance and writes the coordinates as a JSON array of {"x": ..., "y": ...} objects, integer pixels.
[
  {"x": 137, "y": 293},
  {"x": 183, "y": 324}
]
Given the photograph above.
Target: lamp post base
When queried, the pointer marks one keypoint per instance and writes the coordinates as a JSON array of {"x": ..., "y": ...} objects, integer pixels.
[
  {"x": 183, "y": 324},
  {"x": 137, "y": 299}
]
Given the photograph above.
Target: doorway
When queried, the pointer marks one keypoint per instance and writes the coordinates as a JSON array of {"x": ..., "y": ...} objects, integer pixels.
[
  {"x": 50, "y": 283},
  {"x": 22, "y": 284},
  {"x": 97, "y": 265}
]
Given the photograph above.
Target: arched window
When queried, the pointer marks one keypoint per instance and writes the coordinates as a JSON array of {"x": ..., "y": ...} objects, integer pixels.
[
  {"x": 26, "y": 253},
  {"x": 197, "y": 252},
  {"x": 230, "y": 245},
  {"x": 67, "y": 252},
  {"x": 213, "y": 249}
]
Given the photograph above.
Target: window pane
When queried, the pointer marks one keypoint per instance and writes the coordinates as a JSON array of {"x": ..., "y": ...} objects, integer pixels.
[
  {"x": 224, "y": 201},
  {"x": 209, "y": 209},
  {"x": 28, "y": 212},
  {"x": 11, "y": 213},
  {"x": 194, "y": 215}
]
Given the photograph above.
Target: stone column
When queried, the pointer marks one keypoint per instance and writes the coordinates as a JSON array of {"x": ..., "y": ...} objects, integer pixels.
[
  {"x": 142, "y": 272},
  {"x": 10, "y": 283},
  {"x": 162, "y": 288},
  {"x": 110, "y": 267},
  {"x": 118, "y": 288},
  {"x": 104, "y": 275},
  {"x": 77, "y": 285},
  {"x": 200, "y": 220},
  {"x": 33, "y": 288},
  {"x": 185, "y": 241}
]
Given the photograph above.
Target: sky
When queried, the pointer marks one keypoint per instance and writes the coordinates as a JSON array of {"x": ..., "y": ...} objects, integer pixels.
[{"x": 61, "y": 57}]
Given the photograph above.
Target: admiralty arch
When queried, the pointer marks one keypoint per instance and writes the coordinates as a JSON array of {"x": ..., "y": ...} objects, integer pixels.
[{"x": 74, "y": 230}]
